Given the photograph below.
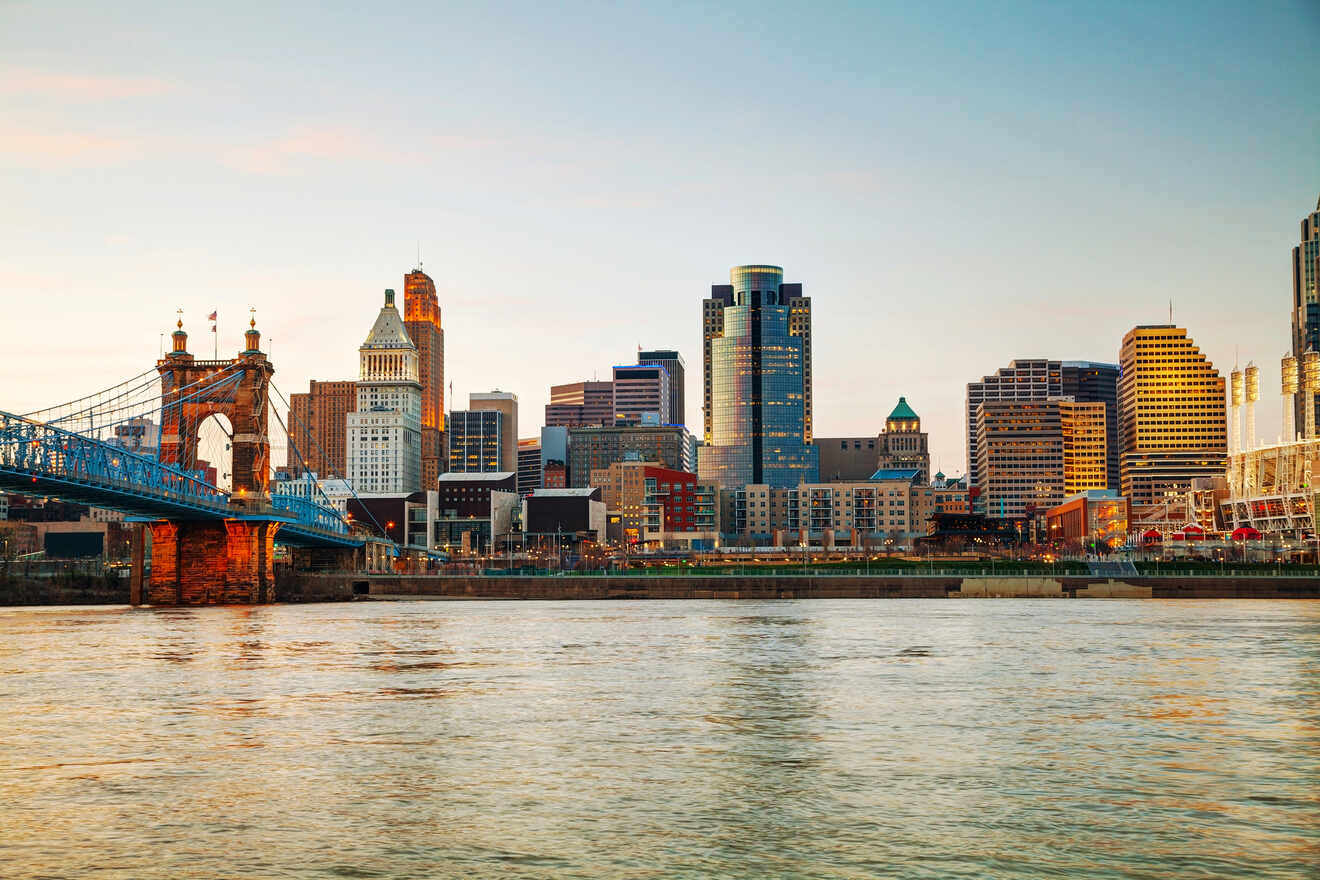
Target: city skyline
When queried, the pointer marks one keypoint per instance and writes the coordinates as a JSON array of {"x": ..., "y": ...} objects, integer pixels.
[{"x": 932, "y": 263}]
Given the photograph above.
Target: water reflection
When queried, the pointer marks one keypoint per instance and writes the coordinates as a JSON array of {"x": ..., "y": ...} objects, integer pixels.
[{"x": 793, "y": 739}]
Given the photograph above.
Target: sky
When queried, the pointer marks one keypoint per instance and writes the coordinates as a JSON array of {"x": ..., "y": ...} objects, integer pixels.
[{"x": 954, "y": 184}]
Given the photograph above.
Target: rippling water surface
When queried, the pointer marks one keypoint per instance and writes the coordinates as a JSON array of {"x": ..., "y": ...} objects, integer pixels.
[{"x": 663, "y": 739}]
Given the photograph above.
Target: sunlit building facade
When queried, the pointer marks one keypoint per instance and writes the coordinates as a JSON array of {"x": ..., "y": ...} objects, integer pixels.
[
  {"x": 757, "y": 347},
  {"x": 1032, "y": 453},
  {"x": 1306, "y": 299},
  {"x": 1171, "y": 412},
  {"x": 1027, "y": 379},
  {"x": 384, "y": 433},
  {"x": 421, "y": 315},
  {"x": 903, "y": 444}
]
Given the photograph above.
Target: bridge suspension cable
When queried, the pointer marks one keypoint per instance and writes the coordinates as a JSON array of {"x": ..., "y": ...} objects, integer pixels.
[{"x": 96, "y": 398}]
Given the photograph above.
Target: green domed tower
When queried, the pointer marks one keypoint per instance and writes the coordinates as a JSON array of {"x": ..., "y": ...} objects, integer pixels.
[{"x": 903, "y": 444}]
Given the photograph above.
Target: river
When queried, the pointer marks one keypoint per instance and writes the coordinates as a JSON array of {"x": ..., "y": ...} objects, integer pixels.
[{"x": 922, "y": 739}]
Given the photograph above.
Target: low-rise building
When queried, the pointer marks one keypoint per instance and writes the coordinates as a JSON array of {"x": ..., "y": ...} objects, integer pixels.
[
  {"x": 1094, "y": 517},
  {"x": 566, "y": 516},
  {"x": 890, "y": 510},
  {"x": 474, "y": 512},
  {"x": 596, "y": 448}
]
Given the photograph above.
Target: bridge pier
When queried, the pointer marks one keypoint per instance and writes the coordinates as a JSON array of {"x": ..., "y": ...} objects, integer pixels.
[
  {"x": 208, "y": 562},
  {"x": 138, "y": 542}
]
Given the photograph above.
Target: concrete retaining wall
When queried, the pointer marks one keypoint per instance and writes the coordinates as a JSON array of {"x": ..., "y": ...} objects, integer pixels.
[{"x": 321, "y": 587}]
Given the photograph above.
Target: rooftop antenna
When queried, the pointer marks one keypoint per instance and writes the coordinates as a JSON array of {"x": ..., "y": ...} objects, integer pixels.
[{"x": 1170, "y": 311}]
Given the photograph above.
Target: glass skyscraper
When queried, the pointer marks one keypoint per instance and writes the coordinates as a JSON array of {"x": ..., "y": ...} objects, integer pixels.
[{"x": 757, "y": 352}]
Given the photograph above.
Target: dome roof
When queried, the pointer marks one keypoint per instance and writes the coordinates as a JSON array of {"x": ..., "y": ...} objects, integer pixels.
[
  {"x": 388, "y": 331},
  {"x": 902, "y": 412}
]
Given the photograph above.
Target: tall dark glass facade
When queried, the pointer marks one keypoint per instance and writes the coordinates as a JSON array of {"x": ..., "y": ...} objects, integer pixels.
[{"x": 758, "y": 386}]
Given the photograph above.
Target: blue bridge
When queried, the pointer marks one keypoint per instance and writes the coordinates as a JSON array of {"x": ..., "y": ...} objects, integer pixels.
[{"x": 209, "y": 545}]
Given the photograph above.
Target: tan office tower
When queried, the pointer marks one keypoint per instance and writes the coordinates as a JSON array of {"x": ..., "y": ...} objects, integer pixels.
[
  {"x": 318, "y": 426},
  {"x": 421, "y": 310},
  {"x": 1031, "y": 454},
  {"x": 1171, "y": 417},
  {"x": 1085, "y": 452},
  {"x": 506, "y": 403}
]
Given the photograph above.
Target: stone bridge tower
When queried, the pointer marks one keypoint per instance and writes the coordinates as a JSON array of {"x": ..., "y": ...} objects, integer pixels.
[{"x": 229, "y": 560}]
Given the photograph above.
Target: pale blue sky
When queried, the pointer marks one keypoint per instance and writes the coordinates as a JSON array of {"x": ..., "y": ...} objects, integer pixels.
[{"x": 956, "y": 185}]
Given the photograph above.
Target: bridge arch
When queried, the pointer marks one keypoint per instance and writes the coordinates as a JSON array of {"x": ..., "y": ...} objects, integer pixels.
[{"x": 239, "y": 388}]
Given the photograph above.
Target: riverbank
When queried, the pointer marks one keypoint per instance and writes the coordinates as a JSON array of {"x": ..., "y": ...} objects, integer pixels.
[
  {"x": 302, "y": 586},
  {"x": 73, "y": 590}
]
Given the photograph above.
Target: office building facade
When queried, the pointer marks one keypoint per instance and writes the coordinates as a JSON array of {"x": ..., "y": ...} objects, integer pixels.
[
  {"x": 1042, "y": 379},
  {"x": 757, "y": 381},
  {"x": 421, "y": 318},
  {"x": 1033, "y": 453},
  {"x": 672, "y": 361},
  {"x": 384, "y": 432},
  {"x": 476, "y": 441},
  {"x": 318, "y": 428},
  {"x": 505, "y": 403},
  {"x": 529, "y": 465},
  {"x": 641, "y": 395},
  {"x": 846, "y": 458},
  {"x": 1171, "y": 413},
  {"x": 594, "y": 448},
  {"x": 1306, "y": 301},
  {"x": 577, "y": 404}
]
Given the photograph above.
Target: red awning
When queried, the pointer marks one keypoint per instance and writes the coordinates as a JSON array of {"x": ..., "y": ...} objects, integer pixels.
[
  {"x": 1152, "y": 535},
  {"x": 1246, "y": 533}
]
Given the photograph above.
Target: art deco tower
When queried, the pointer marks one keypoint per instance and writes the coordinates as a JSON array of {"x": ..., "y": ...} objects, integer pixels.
[
  {"x": 384, "y": 434},
  {"x": 421, "y": 312}
]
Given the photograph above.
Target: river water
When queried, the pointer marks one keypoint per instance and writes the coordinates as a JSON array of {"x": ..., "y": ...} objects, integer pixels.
[{"x": 934, "y": 739}]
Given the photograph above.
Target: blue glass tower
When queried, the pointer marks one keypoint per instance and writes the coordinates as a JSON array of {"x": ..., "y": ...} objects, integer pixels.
[{"x": 758, "y": 381}]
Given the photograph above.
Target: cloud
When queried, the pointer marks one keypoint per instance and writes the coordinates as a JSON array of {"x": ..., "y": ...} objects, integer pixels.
[
  {"x": 337, "y": 143},
  {"x": 87, "y": 87},
  {"x": 36, "y": 146}
]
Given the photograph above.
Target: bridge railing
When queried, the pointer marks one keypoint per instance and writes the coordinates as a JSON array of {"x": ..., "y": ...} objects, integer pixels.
[
  {"x": 42, "y": 451},
  {"x": 309, "y": 513}
]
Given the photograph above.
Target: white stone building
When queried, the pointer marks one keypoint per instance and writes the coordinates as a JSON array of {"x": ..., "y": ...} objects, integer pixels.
[{"x": 385, "y": 433}]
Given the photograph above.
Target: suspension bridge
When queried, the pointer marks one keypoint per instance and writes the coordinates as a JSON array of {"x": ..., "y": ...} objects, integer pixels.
[{"x": 210, "y": 545}]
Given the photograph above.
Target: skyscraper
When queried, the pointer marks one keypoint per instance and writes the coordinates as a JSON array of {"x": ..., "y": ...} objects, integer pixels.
[
  {"x": 673, "y": 362},
  {"x": 421, "y": 310},
  {"x": 1041, "y": 379},
  {"x": 1089, "y": 382},
  {"x": 1306, "y": 299},
  {"x": 1171, "y": 417},
  {"x": 757, "y": 365},
  {"x": 476, "y": 441},
  {"x": 1031, "y": 454},
  {"x": 385, "y": 431},
  {"x": 641, "y": 393},
  {"x": 505, "y": 403}
]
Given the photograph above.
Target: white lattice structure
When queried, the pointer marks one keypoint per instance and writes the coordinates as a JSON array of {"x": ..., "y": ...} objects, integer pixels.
[{"x": 1271, "y": 489}]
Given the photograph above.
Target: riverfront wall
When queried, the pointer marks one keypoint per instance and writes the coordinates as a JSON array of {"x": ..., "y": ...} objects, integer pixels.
[{"x": 299, "y": 586}]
